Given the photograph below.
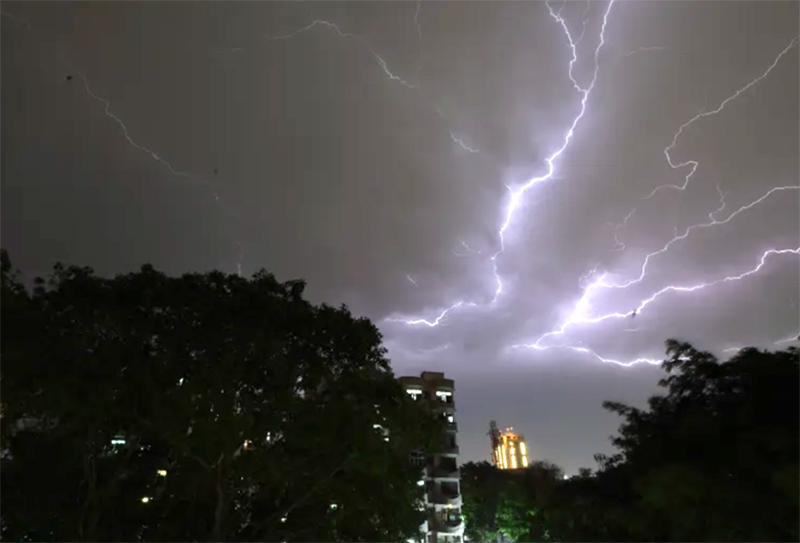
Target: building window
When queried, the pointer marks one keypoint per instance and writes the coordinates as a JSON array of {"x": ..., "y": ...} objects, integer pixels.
[
  {"x": 415, "y": 393},
  {"x": 444, "y": 396}
]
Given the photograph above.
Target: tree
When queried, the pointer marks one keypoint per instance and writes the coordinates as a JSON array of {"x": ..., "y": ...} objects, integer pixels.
[
  {"x": 716, "y": 458},
  {"x": 238, "y": 410},
  {"x": 481, "y": 486}
]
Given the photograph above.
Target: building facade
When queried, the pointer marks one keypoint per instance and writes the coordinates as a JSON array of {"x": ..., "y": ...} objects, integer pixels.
[
  {"x": 441, "y": 475},
  {"x": 510, "y": 450}
]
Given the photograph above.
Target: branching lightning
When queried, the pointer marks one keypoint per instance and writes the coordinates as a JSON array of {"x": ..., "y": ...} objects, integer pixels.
[
  {"x": 516, "y": 194},
  {"x": 107, "y": 110},
  {"x": 581, "y": 313},
  {"x": 360, "y": 40},
  {"x": 619, "y": 246},
  {"x": 154, "y": 155},
  {"x": 693, "y": 164},
  {"x": 380, "y": 61}
]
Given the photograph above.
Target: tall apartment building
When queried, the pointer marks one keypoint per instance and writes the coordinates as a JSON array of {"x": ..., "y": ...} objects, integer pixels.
[
  {"x": 509, "y": 450},
  {"x": 441, "y": 477}
]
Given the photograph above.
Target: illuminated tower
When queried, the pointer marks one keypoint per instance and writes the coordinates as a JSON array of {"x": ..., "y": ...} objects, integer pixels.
[
  {"x": 509, "y": 450},
  {"x": 441, "y": 476}
]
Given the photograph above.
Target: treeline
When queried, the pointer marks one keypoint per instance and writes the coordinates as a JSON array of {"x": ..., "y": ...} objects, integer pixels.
[
  {"x": 207, "y": 407},
  {"x": 714, "y": 458}
]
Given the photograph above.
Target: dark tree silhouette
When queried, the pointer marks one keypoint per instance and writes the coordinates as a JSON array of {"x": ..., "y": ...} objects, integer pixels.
[
  {"x": 203, "y": 407},
  {"x": 715, "y": 458}
]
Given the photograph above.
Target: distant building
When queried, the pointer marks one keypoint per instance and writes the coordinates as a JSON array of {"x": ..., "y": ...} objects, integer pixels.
[
  {"x": 441, "y": 475},
  {"x": 509, "y": 450}
]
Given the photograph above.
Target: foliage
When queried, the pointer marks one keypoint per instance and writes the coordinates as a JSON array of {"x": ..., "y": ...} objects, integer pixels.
[
  {"x": 269, "y": 415},
  {"x": 715, "y": 458}
]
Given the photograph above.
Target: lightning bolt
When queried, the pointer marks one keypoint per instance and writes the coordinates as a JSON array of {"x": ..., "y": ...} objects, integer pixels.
[
  {"x": 380, "y": 61},
  {"x": 107, "y": 110},
  {"x": 711, "y": 223},
  {"x": 619, "y": 245},
  {"x": 411, "y": 280},
  {"x": 643, "y": 49},
  {"x": 586, "y": 350},
  {"x": 693, "y": 164},
  {"x": 470, "y": 250},
  {"x": 154, "y": 155},
  {"x": 516, "y": 194},
  {"x": 579, "y": 315},
  {"x": 435, "y": 322},
  {"x": 585, "y": 20},
  {"x": 461, "y": 143},
  {"x": 419, "y": 39},
  {"x": 360, "y": 40}
]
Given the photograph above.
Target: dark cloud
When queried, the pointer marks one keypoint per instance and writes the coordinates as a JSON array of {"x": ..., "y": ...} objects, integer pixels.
[{"x": 307, "y": 158}]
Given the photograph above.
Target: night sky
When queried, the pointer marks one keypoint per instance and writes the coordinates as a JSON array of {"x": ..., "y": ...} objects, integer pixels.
[{"x": 395, "y": 155}]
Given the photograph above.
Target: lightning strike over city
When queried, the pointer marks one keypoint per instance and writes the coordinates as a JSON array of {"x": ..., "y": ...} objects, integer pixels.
[{"x": 530, "y": 196}]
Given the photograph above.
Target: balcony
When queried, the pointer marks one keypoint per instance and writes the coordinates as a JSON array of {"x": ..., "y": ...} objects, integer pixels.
[
  {"x": 449, "y": 450},
  {"x": 443, "y": 472},
  {"x": 453, "y": 526},
  {"x": 445, "y": 498}
]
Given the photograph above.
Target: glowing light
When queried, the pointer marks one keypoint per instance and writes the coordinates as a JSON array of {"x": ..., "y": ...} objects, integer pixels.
[
  {"x": 146, "y": 499},
  {"x": 523, "y": 448},
  {"x": 162, "y": 473},
  {"x": 513, "y": 460},
  {"x": 524, "y": 461}
]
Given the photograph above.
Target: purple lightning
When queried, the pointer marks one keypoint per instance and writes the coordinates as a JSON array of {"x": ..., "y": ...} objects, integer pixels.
[
  {"x": 580, "y": 315},
  {"x": 515, "y": 199},
  {"x": 693, "y": 164},
  {"x": 516, "y": 194}
]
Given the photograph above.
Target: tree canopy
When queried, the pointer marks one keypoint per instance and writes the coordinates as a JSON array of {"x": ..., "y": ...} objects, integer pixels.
[
  {"x": 201, "y": 407},
  {"x": 714, "y": 458}
]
